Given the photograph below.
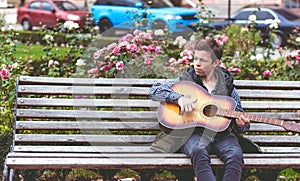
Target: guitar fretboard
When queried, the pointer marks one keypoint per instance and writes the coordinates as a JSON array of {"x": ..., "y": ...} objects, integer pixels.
[{"x": 257, "y": 118}]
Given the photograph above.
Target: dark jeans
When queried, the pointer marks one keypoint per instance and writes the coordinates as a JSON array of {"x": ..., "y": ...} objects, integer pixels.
[{"x": 198, "y": 147}]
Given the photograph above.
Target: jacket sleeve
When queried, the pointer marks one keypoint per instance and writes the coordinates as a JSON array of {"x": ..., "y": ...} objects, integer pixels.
[
  {"x": 163, "y": 92},
  {"x": 239, "y": 107}
]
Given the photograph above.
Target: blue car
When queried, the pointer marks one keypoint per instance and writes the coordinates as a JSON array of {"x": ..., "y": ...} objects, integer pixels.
[
  {"x": 287, "y": 21},
  {"x": 142, "y": 14}
]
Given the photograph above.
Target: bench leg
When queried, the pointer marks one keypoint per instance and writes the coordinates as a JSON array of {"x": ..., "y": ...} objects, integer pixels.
[
  {"x": 5, "y": 172},
  {"x": 12, "y": 175}
]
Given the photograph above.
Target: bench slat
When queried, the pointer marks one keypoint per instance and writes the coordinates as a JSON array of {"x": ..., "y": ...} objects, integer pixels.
[
  {"x": 50, "y": 138},
  {"x": 85, "y": 114},
  {"x": 126, "y": 149},
  {"x": 267, "y": 84},
  {"x": 92, "y": 125},
  {"x": 81, "y": 90},
  {"x": 134, "y": 115},
  {"x": 141, "y": 163},
  {"x": 87, "y": 102},
  {"x": 105, "y": 90},
  {"x": 80, "y": 149},
  {"x": 261, "y": 105},
  {"x": 269, "y": 94},
  {"x": 88, "y": 81},
  {"x": 262, "y": 84},
  {"x": 270, "y": 105},
  {"x": 137, "y": 155},
  {"x": 43, "y": 138}
]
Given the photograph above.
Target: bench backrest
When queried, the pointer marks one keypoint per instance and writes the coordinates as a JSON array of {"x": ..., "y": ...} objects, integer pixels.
[{"x": 95, "y": 115}]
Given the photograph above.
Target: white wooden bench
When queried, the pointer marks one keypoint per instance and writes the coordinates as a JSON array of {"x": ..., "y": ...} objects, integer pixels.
[{"x": 109, "y": 124}]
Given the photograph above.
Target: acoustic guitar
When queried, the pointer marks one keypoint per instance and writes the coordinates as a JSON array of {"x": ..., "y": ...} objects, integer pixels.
[{"x": 211, "y": 111}]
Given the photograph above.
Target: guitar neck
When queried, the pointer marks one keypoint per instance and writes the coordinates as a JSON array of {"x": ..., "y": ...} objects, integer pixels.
[{"x": 237, "y": 114}]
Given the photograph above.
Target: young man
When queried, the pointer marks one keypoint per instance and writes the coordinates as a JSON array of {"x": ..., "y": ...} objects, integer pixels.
[{"x": 201, "y": 143}]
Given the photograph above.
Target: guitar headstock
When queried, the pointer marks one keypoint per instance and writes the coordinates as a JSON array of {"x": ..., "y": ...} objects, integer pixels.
[{"x": 291, "y": 126}]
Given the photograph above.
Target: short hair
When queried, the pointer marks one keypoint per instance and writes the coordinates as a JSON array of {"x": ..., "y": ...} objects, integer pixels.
[{"x": 210, "y": 45}]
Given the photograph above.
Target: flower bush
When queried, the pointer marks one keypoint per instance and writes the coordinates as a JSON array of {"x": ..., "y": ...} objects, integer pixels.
[
  {"x": 10, "y": 68},
  {"x": 285, "y": 68},
  {"x": 140, "y": 54}
]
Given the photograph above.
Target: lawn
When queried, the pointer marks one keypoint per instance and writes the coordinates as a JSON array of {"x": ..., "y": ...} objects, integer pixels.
[{"x": 34, "y": 51}]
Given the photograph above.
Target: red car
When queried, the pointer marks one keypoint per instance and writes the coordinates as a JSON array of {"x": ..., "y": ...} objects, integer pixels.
[{"x": 50, "y": 13}]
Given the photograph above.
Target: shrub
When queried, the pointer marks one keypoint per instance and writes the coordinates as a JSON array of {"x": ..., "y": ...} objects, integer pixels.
[{"x": 141, "y": 50}]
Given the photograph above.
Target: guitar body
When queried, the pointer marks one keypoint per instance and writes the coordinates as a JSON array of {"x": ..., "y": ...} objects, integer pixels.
[{"x": 205, "y": 113}]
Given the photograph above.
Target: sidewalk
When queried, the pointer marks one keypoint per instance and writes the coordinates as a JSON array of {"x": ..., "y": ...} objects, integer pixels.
[{"x": 10, "y": 15}]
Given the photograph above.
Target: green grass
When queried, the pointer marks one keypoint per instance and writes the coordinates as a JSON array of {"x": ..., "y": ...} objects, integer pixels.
[{"x": 32, "y": 51}]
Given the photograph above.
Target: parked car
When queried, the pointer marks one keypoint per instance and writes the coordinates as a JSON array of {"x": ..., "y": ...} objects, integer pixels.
[
  {"x": 292, "y": 4},
  {"x": 287, "y": 21},
  {"x": 50, "y": 13},
  {"x": 125, "y": 14}
]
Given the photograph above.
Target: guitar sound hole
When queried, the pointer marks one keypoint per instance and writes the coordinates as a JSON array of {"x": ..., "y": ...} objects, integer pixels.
[{"x": 210, "y": 110}]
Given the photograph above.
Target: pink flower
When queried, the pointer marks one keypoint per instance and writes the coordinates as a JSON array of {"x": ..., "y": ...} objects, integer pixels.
[
  {"x": 148, "y": 61},
  {"x": 56, "y": 63},
  {"x": 151, "y": 48},
  {"x": 158, "y": 49},
  {"x": 207, "y": 38},
  {"x": 120, "y": 65},
  {"x": 234, "y": 70},
  {"x": 145, "y": 49},
  {"x": 186, "y": 53},
  {"x": 132, "y": 48},
  {"x": 110, "y": 65},
  {"x": 181, "y": 60},
  {"x": 97, "y": 54},
  {"x": 217, "y": 36},
  {"x": 93, "y": 71},
  {"x": 136, "y": 32},
  {"x": 224, "y": 39},
  {"x": 134, "y": 56},
  {"x": 221, "y": 39},
  {"x": 116, "y": 50},
  {"x": 290, "y": 63},
  {"x": 104, "y": 68},
  {"x": 267, "y": 73},
  {"x": 219, "y": 42},
  {"x": 111, "y": 46},
  {"x": 5, "y": 74},
  {"x": 150, "y": 32},
  {"x": 9, "y": 67},
  {"x": 172, "y": 60},
  {"x": 50, "y": 63},
  {"x": 147, "y": 36},
  {"x": 127, "y": 37}
]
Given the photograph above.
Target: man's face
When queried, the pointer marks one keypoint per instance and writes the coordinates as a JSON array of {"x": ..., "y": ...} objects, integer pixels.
[{"x": 203, "y": 63}]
